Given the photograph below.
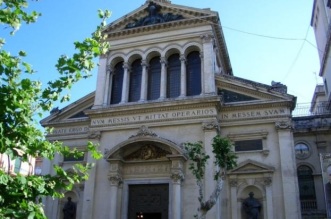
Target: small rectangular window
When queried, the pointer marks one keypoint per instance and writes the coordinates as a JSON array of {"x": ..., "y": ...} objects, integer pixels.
[{"x": 248, "y": 145}]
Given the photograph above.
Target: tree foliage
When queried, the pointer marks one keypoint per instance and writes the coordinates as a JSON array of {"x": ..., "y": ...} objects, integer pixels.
[
  {"x": 21, "y": 100},
  {"x": 224, "y": 159}
]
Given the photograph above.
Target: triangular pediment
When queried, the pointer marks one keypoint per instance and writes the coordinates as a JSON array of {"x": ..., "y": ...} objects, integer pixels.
[
  {"x": 251, "y": 167},
  {"x": 157, "y": 13},
  {"x": 235, "y": 90},
  {"x": 71, "y": 113}
]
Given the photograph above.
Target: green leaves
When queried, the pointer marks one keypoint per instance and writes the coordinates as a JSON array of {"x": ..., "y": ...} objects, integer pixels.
[{"x": 21, "y": 100}]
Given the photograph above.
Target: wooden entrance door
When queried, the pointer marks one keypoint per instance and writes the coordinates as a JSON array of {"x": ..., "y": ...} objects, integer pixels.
[{"x": 148, "y": 201}]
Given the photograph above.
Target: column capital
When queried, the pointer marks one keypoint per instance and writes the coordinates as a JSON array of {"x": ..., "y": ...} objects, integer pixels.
[
  {"x": 163, "y": 60},
  {"x": 144, "y": 63},
  {"x": 109, "y": 69},
  {"x": 283, "y": 125},
  {"x": 126, "y": 65},
  {"x": 182, "y": 58}
]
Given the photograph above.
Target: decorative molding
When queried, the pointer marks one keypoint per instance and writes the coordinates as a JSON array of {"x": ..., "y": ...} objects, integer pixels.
[
  {"x": 267, "y": 181},
  {"x": 143, "y": 132},
  {"x": 147, "y": 152},
  {"x": 115, "y": 179},
  {"x": 182, "y": 58},
  {"x": 207, "y": 38},
  {"x": 95, "y": 135},
  {"x": 233, "y": 182},
  {"x": 177, "y": 176},
  {"x": 281, "y": 125},
  {"x": 211, "y": 125}
]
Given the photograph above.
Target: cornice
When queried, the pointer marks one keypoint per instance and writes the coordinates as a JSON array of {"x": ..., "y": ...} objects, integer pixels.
[{"x": 255, "y": 105}]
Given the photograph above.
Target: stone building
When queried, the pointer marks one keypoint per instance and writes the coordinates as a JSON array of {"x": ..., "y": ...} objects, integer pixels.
[{"x": 167, "y": 80}]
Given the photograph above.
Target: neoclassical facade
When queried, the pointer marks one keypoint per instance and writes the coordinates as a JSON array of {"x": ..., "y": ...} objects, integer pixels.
[{"x": 167, "y": 80}]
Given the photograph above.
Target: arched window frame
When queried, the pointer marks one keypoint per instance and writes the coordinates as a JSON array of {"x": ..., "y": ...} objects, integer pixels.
[{"x": 117, "y": 83}]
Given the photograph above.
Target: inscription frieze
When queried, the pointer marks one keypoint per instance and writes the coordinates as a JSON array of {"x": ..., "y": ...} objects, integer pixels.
[
  {"x": 148, "y": 117},
  {"x": 249, "y": 114},
  {"x": 137, "y": 169},
  {"x": 70, "y": 130}
]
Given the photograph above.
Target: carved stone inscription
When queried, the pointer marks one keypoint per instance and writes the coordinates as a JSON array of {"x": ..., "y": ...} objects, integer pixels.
[
  {"x": 149, "y": 169},
  {"x": 254, "y": 114},
  {"x": 70, "y": 130},
  {"x": 147, "y": 117}
]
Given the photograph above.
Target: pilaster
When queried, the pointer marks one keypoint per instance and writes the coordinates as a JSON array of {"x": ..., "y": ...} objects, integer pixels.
[
  {"x": 288, "y": 170},
  {"x": 101, "y": 83},
  {"x": 208, "y": 65},
  {"x": 177, "y": 176},
  {"x": 126, "y": 82},
  {"x": 183, "y": 76},
  {"x": 115, "y": 179},
  {"x": 144, "y": 79}
]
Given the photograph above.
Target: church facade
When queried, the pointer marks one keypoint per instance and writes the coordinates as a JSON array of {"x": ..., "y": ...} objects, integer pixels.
[{"x": 167, "y": 80}]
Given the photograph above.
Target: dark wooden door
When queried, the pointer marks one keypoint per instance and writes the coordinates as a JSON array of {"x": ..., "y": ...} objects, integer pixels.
[{"x": 148, "y": 201}]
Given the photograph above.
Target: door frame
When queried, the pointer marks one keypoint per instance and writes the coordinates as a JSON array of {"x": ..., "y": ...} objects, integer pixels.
[{"x": 125, "y": 193}]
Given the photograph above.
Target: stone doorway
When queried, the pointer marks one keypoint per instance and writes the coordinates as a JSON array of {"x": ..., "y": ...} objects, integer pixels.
[{"x": 148, "y": 201}]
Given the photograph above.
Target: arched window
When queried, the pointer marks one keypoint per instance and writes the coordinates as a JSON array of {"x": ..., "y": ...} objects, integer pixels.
[
  {"x": 135, "y": 81},
  {"x": 154, "y": 79},
  {"x": 117, "y": 83},
  {"x": 173, "y": 76},
  {"x": 193, "y": 74},
  {"x": 306, "y": 188}
]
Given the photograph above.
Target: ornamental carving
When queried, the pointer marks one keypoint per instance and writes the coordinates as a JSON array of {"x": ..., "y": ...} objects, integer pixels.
[
  {"x": 177, "y": 176},
  {"x": 94, "y": 135},
  {"x": 213, "y": 125},
  {"x": 267, "y": 181},
  {"x": 147, "y": 152},
  {"x": 115, "y": 179},
  {"x": 154, "y": 17},
  {"x": 143, "y": 132},
  {"x": 233, "y": 183},
  {"x": 283, "y": 125}
]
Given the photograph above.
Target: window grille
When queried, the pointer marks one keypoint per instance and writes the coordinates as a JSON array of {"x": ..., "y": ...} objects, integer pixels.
[
  {"x": 154, "y": 79},
  {"x": 135, "y": 81},
  {"x": 117, "y": 83},
  {"x": 173, "y": 76},
  {"x": 193, "y": 74}
]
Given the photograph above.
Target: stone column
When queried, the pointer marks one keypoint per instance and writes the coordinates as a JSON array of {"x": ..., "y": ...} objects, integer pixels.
[
  {"x": 87, "y": 210},
  {"x": 144, "y": 80},
  {"x": 126, "y": 83},
  {"x": 208, "y": 70},
  {"x": 234, "y": 198},
  {"x": 115, "y": 178},
  {"x": 183, "y": 76},
  {"x": 177, "y": 177},
  {"x": 210, "y": 131},
  {"x": 108, "y": 85},
  {"x": 163, "y": 86},
  {"x": 202, "y": 75},
  {"x": 288, "y": 170},
  {"x": 101, "y": 82}
]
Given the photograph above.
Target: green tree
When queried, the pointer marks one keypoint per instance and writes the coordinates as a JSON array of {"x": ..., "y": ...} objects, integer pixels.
[
  {"x": 22, "y": 103},
  {"x": 224, "y": 159}
]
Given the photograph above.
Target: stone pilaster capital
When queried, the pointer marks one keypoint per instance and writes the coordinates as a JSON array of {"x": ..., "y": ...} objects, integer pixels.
[
  {"x": 115, "y": 179},
  {"x": 207, "y": 38},
  {"x": 126, "y": 66},
  {"x": 177, "y": 176},
  {"x": 283, "y": 125},
  {"x": 267, "y": 181},
  {"x": 233, "y": 182},
  {"x": 210, "y": 125},
  {"x": 95, "y": 135}
]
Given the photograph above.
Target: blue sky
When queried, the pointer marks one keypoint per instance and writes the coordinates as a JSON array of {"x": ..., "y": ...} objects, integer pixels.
[{"x": 262, "y": 59}]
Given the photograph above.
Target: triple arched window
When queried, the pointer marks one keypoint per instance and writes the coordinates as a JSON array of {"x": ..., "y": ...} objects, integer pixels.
[{"x": 182, "y": 78}]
